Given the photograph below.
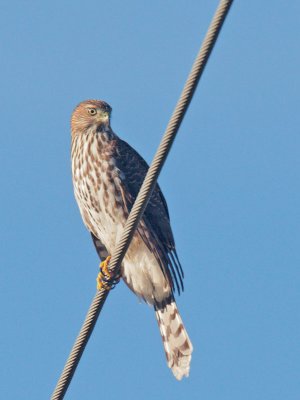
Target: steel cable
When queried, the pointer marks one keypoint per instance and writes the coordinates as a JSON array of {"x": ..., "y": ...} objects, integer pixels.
[{"x": 144, "y": 195}]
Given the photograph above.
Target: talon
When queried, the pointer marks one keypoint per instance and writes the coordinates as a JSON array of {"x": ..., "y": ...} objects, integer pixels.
[
  {"x": 106, "y": 280},
  {"x": 104, "y": 266},
  {"x": 101, "y": 284}
]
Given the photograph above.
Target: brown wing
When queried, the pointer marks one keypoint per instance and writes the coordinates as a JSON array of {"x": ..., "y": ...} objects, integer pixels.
[{"x": 154, "y": 228}]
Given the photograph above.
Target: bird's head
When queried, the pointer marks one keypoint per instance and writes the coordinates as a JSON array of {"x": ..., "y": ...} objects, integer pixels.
[{"x": 90, "y": 114}]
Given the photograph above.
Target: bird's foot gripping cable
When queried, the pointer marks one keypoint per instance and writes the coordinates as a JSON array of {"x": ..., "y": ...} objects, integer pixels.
[{"x": 105, "y": 279}]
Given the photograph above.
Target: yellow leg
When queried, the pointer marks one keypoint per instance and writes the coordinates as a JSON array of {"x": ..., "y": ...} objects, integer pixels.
[
  {"x": 104, "y": 266},
  {"x": 104, "y": 275}
]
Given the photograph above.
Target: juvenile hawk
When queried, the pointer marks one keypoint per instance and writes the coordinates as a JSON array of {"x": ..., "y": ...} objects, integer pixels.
[{"x": 107, "y": 175}]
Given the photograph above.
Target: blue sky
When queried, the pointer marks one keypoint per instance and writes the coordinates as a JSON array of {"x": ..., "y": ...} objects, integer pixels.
[{"x": 231, "y": 181}]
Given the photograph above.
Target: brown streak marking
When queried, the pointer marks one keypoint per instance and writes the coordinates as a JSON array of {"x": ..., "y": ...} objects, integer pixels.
[
  {"x": 98, "y": 163},
  {"x": 88, "y": 151},
  {"x": 179, "y": 331},
  {"x": 168, "y": 356},
  {"x": 173, "y": 315},
  {"x": 184, "y": 346}
]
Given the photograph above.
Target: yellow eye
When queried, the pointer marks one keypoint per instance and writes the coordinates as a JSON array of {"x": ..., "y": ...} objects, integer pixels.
[{"x": 92, "y": 111}]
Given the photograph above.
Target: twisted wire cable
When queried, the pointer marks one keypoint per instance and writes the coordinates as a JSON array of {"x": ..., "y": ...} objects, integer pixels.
[{"x": 144, "y": 195}]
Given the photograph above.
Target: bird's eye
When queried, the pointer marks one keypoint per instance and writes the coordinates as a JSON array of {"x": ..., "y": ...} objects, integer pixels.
[{"x": 92, "y": 111}]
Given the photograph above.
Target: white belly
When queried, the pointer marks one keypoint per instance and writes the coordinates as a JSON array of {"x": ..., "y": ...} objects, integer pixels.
[{"x": 142, "y": 273}]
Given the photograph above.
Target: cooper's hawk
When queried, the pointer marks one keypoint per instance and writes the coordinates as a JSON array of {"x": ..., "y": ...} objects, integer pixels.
[{"x": 107, "y": 175}]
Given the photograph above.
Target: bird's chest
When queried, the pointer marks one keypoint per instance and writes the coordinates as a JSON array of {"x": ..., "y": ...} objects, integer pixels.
[{"x": 98, "y": 191}]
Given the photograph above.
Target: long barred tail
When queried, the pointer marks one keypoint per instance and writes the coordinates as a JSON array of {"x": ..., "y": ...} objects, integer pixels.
[{"x": 177, "y": 344}]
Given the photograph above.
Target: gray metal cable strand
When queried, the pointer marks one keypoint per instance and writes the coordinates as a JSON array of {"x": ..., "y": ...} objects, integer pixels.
[{"x": 144, "y": 195}]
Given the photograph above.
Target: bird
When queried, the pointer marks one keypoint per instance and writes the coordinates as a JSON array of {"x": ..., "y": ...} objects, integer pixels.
[{"x": 107, "y": 174}]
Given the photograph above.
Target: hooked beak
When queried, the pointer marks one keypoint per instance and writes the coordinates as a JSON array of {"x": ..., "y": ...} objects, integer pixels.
[{"x": 103, "y": 116}]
